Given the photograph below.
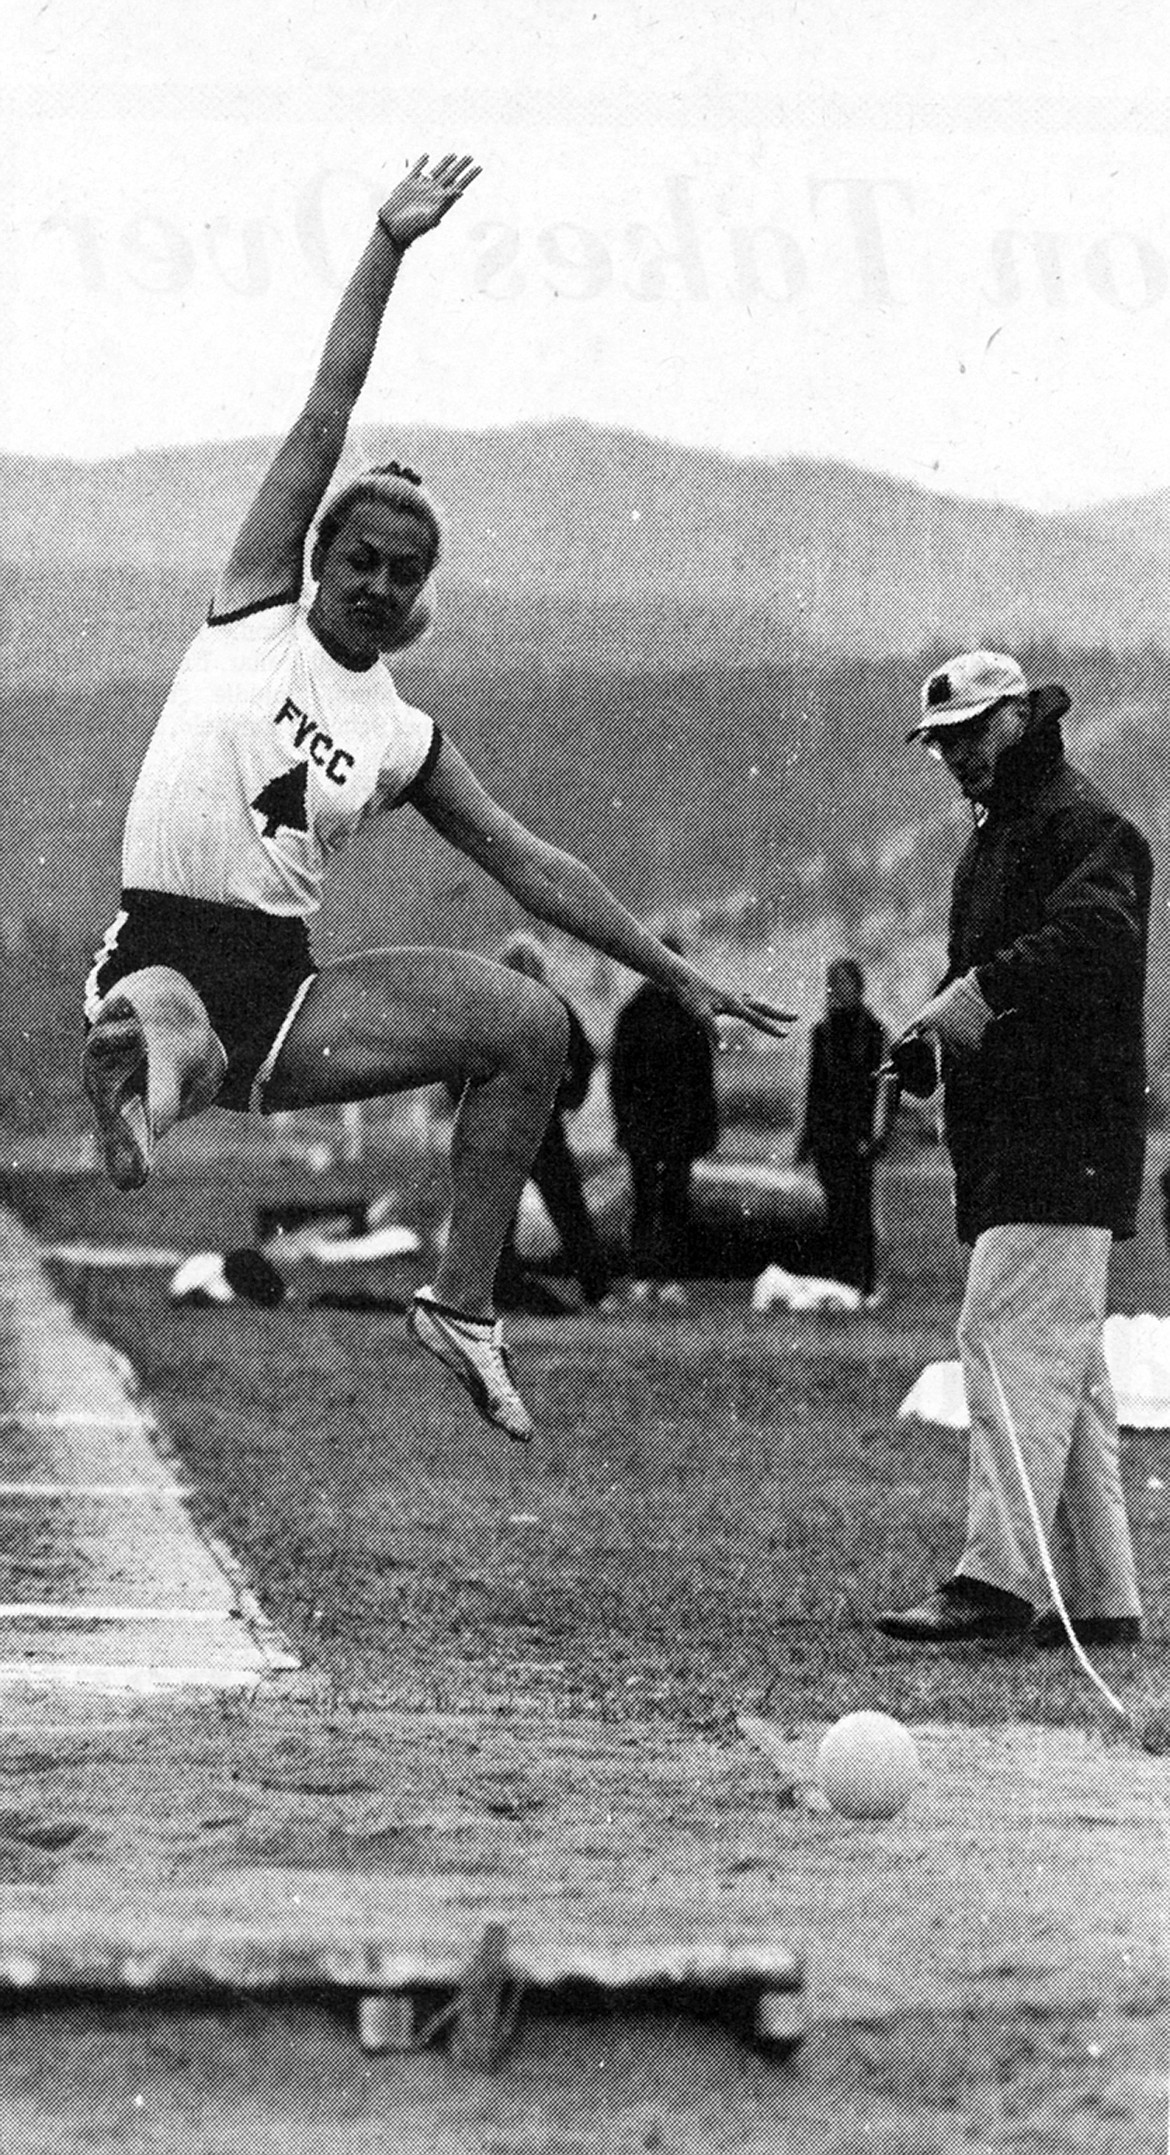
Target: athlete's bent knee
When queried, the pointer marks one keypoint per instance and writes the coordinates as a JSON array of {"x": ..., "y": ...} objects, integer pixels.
[
  {"x": 546, "y": 1033},
  {"x": 522, "y": 1035}
]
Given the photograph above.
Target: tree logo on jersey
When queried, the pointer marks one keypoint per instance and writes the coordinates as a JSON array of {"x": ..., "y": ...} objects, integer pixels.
[{"x": 282, "y": 802}]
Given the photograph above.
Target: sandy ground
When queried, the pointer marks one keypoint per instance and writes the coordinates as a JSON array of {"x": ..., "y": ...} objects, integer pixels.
[
  {"x": 1001, "y": 1980},
  {"x": 988, "y": 1970}
]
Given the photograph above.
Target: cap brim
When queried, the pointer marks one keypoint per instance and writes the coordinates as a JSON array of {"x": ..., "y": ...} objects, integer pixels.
[
  {"x": 939, "y": 721},
  {"x": 1052, "y": 701}
]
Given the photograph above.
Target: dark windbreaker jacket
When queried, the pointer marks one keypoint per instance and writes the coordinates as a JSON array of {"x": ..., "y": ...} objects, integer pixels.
[
  {"x": 1046, "y": 1121},
  {"x": 661, "y": 1078}
]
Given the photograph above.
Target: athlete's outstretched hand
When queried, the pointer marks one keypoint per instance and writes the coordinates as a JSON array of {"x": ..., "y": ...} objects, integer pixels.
[
  {"x": 764, "y": 1016},
  {"x": 419, "y": 201},
  {"x": 709, "y": 1003}
]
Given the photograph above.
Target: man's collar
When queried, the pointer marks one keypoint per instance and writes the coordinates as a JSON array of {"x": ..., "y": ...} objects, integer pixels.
[{"x": 1024, "y": 767}]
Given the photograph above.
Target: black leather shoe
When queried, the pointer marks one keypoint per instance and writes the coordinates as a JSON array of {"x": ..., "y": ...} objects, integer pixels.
[
  {"x": 1048, "y": 1631},
  {"x": 961, "y": 1611}
]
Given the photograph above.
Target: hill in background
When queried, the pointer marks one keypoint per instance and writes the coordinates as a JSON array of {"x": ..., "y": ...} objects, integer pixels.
[
  {"x": 696, "y": 673},
  {"x": 570, "y": 543},
  {"x": 1140, "y": 524}
]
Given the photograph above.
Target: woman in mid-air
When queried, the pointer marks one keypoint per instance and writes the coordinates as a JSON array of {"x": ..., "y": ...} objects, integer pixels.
[{"x": 283, "y": 731}]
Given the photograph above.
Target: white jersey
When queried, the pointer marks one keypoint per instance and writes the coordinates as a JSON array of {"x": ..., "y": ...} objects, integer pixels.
[{"x": 267, "y": 756}]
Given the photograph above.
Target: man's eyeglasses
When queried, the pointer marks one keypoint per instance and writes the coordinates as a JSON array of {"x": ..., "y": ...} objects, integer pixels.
[{"x": 946, "y": 741}]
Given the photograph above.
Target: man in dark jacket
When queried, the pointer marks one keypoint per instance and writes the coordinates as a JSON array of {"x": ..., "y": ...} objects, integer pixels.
[
  {"x": 845, "y": 1055},
  {"x": 1040, "y": 1023},
  {"x": 662, "y": 1090}
]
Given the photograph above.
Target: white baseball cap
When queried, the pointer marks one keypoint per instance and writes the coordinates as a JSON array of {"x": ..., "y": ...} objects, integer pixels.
[{"x": 975, "y": 681}]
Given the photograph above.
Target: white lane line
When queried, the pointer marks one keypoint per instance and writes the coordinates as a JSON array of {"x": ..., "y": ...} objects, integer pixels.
[
  {"x": 125, "y": 1254},
  {"x": 81, "y": 1417},
  {"x": 80, "y": 1613},
  {"x": 129, "y": 1676},
  {"x": 74, "y": 1730},
  {"x": 126, "y": 1425},
  {"x": 150, "y": 1492}
]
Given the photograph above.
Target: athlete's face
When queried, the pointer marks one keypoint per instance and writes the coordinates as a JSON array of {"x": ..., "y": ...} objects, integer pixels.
[{"x": 370, "y": 579}]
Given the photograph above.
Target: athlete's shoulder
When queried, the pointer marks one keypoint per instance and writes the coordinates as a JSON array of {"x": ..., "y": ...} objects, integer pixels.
[{"x": 411, "y": 743}]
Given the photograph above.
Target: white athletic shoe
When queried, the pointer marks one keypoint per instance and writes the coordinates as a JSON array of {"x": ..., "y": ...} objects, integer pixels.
[
  {"x": 472, "y": 1348},
  {"x": 113, "y": 1072}
]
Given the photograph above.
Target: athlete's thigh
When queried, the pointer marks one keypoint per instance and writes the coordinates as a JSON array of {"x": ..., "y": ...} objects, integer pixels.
[{"x": 386, "y": 1020}]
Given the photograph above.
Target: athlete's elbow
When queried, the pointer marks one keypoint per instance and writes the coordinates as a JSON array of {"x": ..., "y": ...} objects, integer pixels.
[{"x": 542, "y": 881}]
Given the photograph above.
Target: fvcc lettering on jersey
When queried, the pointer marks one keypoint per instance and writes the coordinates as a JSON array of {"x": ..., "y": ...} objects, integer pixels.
[{"x": 335, "y": 762}]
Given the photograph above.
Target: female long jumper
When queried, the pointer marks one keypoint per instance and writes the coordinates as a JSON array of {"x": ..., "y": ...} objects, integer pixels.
[{"x": 283, "y": 731}]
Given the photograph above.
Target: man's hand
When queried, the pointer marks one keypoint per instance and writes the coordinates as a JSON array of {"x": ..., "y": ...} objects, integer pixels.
[
  {"x": 913, "y": 1063},
  {"x": 422, "y": 198},
  {"x": 958, "y": 1016}
]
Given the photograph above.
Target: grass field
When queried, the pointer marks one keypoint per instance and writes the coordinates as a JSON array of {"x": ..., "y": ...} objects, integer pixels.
[{"x": 714, "y": 1504}]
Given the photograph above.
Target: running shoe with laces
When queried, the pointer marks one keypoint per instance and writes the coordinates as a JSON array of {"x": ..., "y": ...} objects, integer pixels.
[
  {"x": 472, "y": 1348},
  {"x": 113, "y": 1072}
]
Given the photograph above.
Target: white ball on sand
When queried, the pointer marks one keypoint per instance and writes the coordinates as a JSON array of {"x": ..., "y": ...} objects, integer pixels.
[{"x": 868, "y": 1766}]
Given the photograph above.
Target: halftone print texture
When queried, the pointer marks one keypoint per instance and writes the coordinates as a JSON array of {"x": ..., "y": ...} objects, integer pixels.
[
  {"x": 640, "y": 656},
  {"x": 535, "y": 1671},
  {"x": 524, "y": 1667}
]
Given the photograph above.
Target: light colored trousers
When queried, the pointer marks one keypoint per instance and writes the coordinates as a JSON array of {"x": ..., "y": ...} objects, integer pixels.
[{"x": 1035, "y": 1303}]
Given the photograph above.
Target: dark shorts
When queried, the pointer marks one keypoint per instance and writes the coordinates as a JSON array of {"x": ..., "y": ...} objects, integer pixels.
[{"x": 251, "y": 970}]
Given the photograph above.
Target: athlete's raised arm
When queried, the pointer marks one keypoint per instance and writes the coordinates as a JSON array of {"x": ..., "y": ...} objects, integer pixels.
[{"x": 266, "y": 559}]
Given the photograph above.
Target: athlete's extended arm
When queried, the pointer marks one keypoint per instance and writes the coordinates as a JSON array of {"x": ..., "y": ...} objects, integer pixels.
[
  {"x": 556, "y": 887},
  {"x": 266, "y": 560}
]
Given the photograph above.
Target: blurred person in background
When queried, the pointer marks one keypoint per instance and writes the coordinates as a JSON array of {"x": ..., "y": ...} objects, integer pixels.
[
  {"x": 666, "y": 1116},
  {"x": 1040, "y": 1022},
  {"x": 846, "y": 1050}
]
